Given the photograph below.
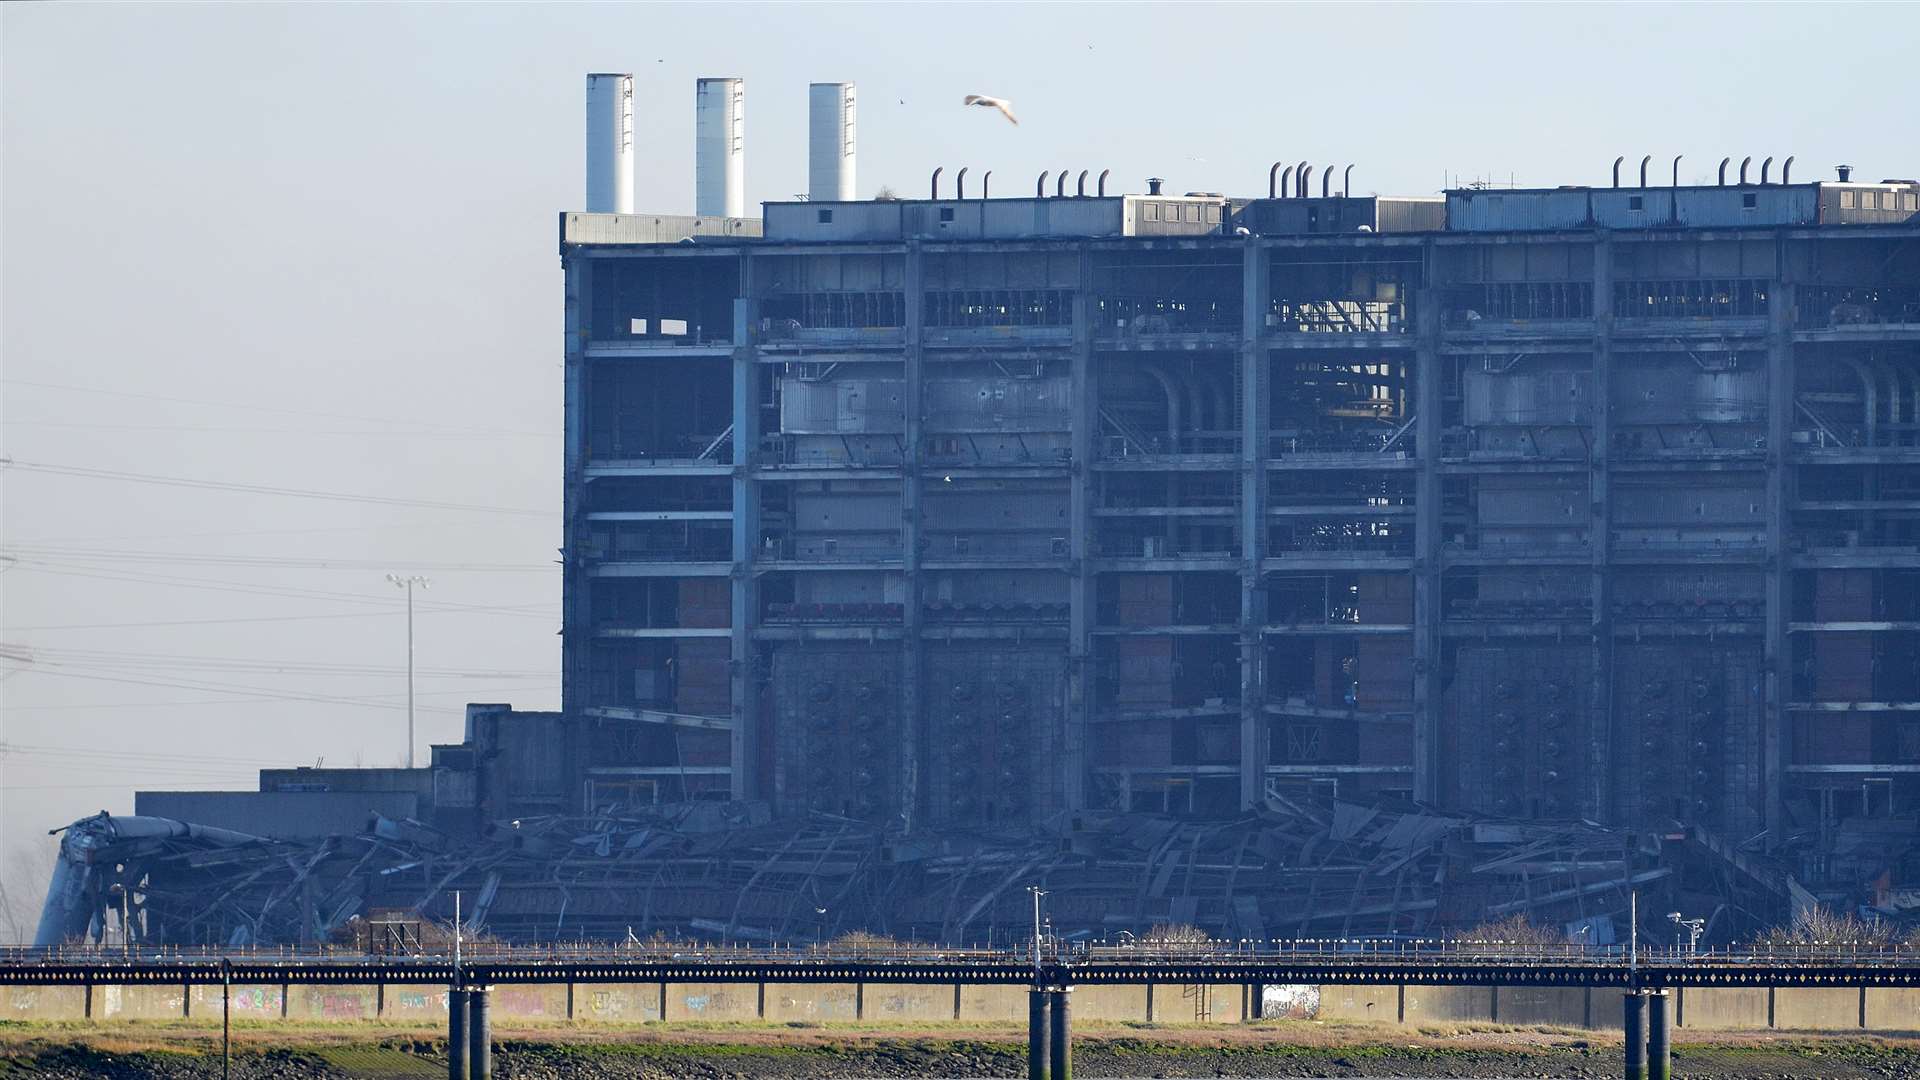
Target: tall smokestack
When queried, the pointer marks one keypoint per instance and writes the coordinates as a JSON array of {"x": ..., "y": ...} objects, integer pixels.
[
  {"x": 830, "y": 142},
  {"x": 720, "y": 148},
  {"x": 609, "y": 143}
]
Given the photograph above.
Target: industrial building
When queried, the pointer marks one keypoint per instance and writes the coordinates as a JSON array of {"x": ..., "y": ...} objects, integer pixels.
[
  {"x": 957, "y": 512},
  {"x": 1011, "y": 513}
]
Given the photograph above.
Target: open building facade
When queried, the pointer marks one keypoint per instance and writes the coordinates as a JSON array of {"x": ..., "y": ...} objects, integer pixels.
[{"x": 1575, "y": 503}]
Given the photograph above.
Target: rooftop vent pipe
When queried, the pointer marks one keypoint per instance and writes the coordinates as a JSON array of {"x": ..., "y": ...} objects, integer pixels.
[
  {"x": 1286, "y": 182},
  {"x": 1676, "y": 169},
  {"x": 1845, "y": 171},
  {"x": 1153, "y": 185},
  {"x": 1300, "y": 172},
  {"x": 1104, "y": 173},
  {"x": 1766, "y": 167},
  {"x": 1040, "y": 185},
  {"x": 1326, "y": 182},
  {"x": 1273, "y": 181},
  {"x": 1744, "y": 162},
  {"x": 936, "y": 183},
  {"x": 1644, "y": 162},
  {"x": 960, "y": 183},
  {"x": 1724, "y": 162},
  {"x": 1346, "y": 182},
  {"x": 1080, "y": 185},
  {"x": 1306, "y": 180},
  {"x": 1616, "y": 169},
  {"x": 1786, "y": 169},
  {"x": 985, "y": 179},
  {"x": 1060, "y": 185}
]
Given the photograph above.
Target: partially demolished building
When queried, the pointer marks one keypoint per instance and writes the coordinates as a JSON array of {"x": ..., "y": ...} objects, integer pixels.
[{"x": 1154, "y": 536}]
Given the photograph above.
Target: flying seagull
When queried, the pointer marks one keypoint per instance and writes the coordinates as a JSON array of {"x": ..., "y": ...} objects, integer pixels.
[{"x": 1005, "y": 106}]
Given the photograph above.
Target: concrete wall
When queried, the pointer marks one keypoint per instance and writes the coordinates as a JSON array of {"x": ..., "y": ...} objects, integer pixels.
[
  {"x": 1449, "y": 1004},
  {"x": 811, "y": 1001},
  {"x": 1842, "y": 1008},
  {"x": 617, "y": 1003},
  {"x": 915, "y": 1002},
  {"x": 1710, "y": 1008},
  {"x": 43, "y": 1003},
  {"x": 713, "y": 1001},
  {"x": 1816, "y": 1008}
]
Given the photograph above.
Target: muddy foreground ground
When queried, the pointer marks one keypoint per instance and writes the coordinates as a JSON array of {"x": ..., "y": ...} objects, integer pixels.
[{"x": 191, "y": 1051}]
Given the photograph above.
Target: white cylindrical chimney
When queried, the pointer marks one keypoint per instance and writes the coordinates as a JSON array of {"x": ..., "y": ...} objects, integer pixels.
[
  {"x": 830, "y": 142},
  {"x": 720, "y": 148},
  {"x": 609, "y": 143}
]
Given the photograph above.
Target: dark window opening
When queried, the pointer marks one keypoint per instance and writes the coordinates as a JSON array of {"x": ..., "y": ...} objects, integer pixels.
[
  {"x": 946, "y": 213},
  {"x": 1636, "y": 202},
  {"x": 825, "y": 217},
  {"x": 1749, "y": 201}
]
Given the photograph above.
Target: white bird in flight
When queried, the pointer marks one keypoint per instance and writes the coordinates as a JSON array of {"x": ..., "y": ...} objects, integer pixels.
[{"x": 1005, "y": 106}]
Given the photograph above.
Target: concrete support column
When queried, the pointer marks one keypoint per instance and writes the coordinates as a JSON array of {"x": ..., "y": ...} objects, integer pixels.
[
  {"x": 1082, "y": 603},
  {"x": 479, "y": 1034},
  {"x": 1037, "y": 1041},
  {"x": 1777, "y": 654},
  {"x": 1255, "y": 276},
  {"x": 1060, "y": 1041},
  {"x": 913, "y": 649},
  {"x": 744, "y": 604},
  {"x": 1634, "y": 1031},
  {"x": 457, "y": 1035},
  {"x": 1659, "y": 1036},
  {"x": 1427, "y": 603},
  {"x": 1606, "y": 734},
  {"x": 574, "y": 620}
]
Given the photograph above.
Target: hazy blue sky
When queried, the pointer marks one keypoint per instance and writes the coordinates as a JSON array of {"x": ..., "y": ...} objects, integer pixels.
[{"x": 312, "y": 247}]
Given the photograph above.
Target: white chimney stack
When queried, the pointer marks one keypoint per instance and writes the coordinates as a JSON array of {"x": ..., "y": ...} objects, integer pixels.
[
  {"x": 830, "y": 142},
  {"x": 609, "y": 143},
  {"x": 720, "y": 148}
]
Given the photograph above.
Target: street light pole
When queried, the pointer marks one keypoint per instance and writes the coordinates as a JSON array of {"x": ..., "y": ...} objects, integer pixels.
[{"x": 407, "y": 583}]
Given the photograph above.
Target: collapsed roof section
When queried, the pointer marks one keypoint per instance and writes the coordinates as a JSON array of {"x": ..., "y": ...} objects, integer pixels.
[{"x": 1305, "y": 868}]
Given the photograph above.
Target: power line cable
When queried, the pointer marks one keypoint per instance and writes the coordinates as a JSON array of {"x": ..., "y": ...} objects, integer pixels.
[{"x": 83, "y": 472}]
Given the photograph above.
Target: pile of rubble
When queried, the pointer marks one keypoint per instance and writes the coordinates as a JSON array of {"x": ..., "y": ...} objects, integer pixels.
[{"x": 728, "y": 871}]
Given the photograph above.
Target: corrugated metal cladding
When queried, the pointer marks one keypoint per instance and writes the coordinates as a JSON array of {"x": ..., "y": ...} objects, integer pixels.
[
  {"x": 280, "y": 814},
  {"x": 649, "y": 228},
  {"x": 1493, "y": 210},
  {"x": 1287, "y": 217}
]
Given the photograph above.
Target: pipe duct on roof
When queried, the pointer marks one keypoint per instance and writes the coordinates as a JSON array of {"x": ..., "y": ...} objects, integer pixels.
[
  {"x": 935, "y": 183},
  {"x": 1786, "y": 170},
  {"x": 1300, "y": 172},
  {"x": 1273, "y": 179},
  {"x": 1080, "y": 185},
  {"x": 1286, "y": 182},
  {"x": 1104, "y": 173},
  {"x": 1060, "y": 185},
  {"x": 1744, "y": 162},
  {"x": 1616, "y": 169},
  {"x": 985, "y": 179},
  {"x": 1040, "y": 185},
  {"x": 1306, "y": 181},
  {"x": 1724, "y": 162},
  {"x": 1326, "y": 182},
  {"x": 1766, "y": 168},
  {"x": 1644, "y": 162},
  {"x": 1346, "y": 182},
  {"x": 1676, "y": 169},
  {"x": 960, "y": 183}
]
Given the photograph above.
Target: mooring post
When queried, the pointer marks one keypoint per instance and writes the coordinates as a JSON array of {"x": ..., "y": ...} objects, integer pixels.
[
  {"x": 1062, "y": 1036},
  {"x": 1037, "y": 1034},
  {"x": 456, "y": 1034},
  {"x": 479, "y": 1034},
  {"x": 1659, "y": 1036}
]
